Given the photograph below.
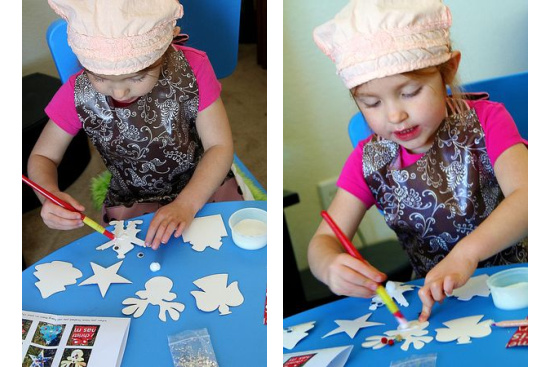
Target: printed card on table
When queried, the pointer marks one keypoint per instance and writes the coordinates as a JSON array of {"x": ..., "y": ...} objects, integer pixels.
[
  {"x": 329, "y": 357},
  {"x": 54, "y": 340}
]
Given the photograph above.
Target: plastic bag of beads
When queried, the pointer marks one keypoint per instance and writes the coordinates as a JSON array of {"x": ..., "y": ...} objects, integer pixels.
[
  {"x": 192, "y": 348},
  {"x": 426, "y": 360}
]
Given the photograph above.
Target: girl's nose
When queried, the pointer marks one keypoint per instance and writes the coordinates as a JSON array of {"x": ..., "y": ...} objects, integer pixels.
[
  {"x": 119, "y": 93},
  {"x": 397, "y": 115}
]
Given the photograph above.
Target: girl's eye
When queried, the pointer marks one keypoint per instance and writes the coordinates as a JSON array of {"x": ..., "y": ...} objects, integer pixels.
[
  {"x": 98, "y": 79},
  {"x": 138, "y": 79},
  {"x": 372, "y": 104},
  {"x": 412, "y": 94}
]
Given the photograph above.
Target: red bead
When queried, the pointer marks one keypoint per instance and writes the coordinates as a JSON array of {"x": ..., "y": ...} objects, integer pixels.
[
  {"x": 390, "y": 342},
  {"x": 384, "y": 340}
]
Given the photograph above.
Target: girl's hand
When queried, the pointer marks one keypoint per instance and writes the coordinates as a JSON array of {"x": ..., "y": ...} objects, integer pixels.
[
  {"x": 451, "y": 273},
  {"x": 57, "y": 217},
  {"x": 170, "y": 219},
  {"x": 347, "y": 276}
]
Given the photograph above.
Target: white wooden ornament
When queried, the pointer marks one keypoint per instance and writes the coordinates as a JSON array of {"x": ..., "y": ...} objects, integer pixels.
[
  {"x": 104, "y": 277},
  {"x": 475, "y": 286},
  {"x": 416, "y": 335},
  {"x": 55, "y": 276},
  {"x": 351, "y": 327},
  {"x": 157, "y": 293},
  {"x": 125, "y": 238},
  {"x": 293, "y": 334},
  {"x": 216, "y": 294},
  {"x": 463, "y": 329},
  {"x": 205, "y": 232}
]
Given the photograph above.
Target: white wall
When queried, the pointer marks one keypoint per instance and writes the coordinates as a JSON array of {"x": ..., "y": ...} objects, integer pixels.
[{"x": 492, "y": 35}]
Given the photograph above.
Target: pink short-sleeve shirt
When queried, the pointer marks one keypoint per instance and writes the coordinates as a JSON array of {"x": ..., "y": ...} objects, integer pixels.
[
  {"x": 500, "y": 134},
  {"x": 62, "y": 110}
]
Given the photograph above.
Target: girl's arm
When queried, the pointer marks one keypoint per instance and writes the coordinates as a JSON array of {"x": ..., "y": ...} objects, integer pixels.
[
  {"x": 328, "y": 261},
  {"x": 215, "y": 134},
  {"x": 504, "y": 227},
  {"x": 42, "y": 169}
]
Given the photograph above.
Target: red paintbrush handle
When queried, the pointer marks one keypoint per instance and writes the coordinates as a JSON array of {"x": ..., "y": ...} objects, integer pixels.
[
  {"x": 341, "y": 236},
  {"x": 48, "y": 195}
]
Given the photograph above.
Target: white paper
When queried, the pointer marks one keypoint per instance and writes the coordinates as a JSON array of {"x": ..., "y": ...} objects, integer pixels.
[
  {"x": 205, "y": 232},
  {"x": 107, "y": 350},
  {"x": 351, "y": 327},
  {"x": 463, "y": 329},
  {"x": 475, "y": 286},
  {"x": 54, "y": 276},
  {"x": 329, "y": 357},
  {"x": 157, "y": 293},
  {"x": 293, "y": 334},
  {"x": 216, "y": 294},
  {"x": 104, "y": 277}
]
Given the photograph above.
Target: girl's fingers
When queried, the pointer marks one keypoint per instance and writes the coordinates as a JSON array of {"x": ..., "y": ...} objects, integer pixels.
[
  {"x": 449, "y": 285},
  {"x": 357, "y": 279},
  {"x": 427, "y": 303},
  {"x": 180, "y": 229},
  {"x": 436, "y": 289},
  {"x": 365, "y": 269},
  {"x": 168, "y": 232},
  {"x": 158, "y": 235}
]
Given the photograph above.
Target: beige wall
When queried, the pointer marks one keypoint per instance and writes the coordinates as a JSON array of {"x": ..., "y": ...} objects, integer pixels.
[
  {"x": 36, "y": 17},
  {"x": 492, "y": 35}
]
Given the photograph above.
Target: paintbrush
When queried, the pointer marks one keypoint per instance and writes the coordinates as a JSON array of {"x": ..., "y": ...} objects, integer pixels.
[
  {"x": 48, "y": 195},
  {"x": 380, "y": 290}
]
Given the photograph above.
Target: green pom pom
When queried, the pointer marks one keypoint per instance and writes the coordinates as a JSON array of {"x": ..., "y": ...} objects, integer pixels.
[
  {"x": 99, "y": 187},
  {"x": 256, "y": 191}
]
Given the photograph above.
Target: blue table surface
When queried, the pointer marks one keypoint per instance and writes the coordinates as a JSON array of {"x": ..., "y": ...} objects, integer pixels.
[
  {"x": 238, "y": 339},
  {"x": 490, "y": 350}
]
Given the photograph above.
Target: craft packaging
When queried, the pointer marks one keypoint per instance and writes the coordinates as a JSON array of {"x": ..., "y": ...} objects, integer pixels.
[{"x": 192, "y": 348}]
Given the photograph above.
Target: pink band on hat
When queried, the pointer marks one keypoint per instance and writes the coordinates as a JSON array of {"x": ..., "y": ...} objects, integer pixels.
[{"x": 123, "y": 55}]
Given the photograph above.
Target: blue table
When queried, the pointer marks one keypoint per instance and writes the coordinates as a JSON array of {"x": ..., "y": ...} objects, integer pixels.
[
  {"x": 238, "y": 339},
  {"x": 487, "y": 351}
]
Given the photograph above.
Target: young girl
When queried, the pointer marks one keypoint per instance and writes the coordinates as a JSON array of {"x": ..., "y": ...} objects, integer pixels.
[
  {"x": 448, "y": 172},
  {"x": 150, "y": 107}
]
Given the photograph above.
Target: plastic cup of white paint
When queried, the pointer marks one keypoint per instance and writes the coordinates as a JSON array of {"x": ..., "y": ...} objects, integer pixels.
[
  {"x": 249, "y": 228},
  {"x": 509, "y": 288}
]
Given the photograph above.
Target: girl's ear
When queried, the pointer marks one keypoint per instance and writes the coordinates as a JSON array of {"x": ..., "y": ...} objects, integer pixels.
[{"x": 452, "y": 66}]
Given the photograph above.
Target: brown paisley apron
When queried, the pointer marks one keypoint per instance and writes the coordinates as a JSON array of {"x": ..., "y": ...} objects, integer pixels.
[
  {"x": 152, "y": 146},
  {"x": 432, "y": 204}
]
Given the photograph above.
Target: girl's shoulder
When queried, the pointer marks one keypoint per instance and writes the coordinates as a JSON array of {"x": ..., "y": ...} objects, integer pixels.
[
  {"x": 486, "y": 109},
  {"x": 192, "y": 54}
]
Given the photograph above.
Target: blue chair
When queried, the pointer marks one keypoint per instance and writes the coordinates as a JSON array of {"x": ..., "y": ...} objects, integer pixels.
[
  {"x": 218, "y": 37},
  {"x": 511, "y": 90}
]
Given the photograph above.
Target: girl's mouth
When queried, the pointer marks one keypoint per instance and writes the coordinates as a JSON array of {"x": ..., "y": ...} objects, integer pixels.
[{"x": 407, "y": 134}]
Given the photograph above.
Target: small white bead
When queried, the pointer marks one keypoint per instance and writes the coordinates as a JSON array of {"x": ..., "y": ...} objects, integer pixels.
[{"x": 155, "y": 266}]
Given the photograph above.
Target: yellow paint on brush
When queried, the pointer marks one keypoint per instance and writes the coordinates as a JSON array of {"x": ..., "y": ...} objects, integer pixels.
[
  {"x": 388, "y": 301},
  {"x": 93, "y": 224}
]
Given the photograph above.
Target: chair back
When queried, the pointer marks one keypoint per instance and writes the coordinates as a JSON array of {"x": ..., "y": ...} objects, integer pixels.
[
  {"x": 212, "y": 26},
  {"x": 511, "y": 90}
]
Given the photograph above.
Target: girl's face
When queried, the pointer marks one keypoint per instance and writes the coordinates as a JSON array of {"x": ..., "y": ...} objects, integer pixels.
[
  {"x": 125, "y": 88},
  {"x": 404, "y": 108}
]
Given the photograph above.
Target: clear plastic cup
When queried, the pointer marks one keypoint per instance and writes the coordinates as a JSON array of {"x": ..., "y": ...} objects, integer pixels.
[
  {"x": 509, "y": 288},
  {"x": 249, "y": 228}
]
